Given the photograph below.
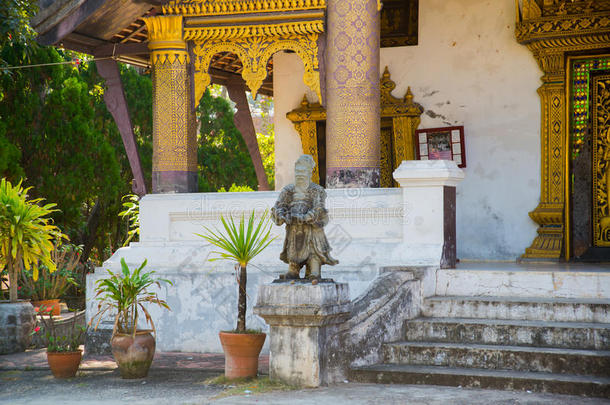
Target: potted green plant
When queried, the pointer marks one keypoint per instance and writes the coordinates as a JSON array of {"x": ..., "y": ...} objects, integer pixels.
[
  {"x": 63, "y": 351},
  {"x": 50, "y": 286},
  {"x": 26, "y": 239},
  {"x": 241, "y": 243},
  {"x": 125, "y": 294}
]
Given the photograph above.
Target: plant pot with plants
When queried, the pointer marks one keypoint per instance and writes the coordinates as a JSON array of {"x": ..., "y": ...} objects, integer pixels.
[
  {"x": 63, "y": 351},
  {"x": 126, "y": 294},
  {"x": 50, "y": 286},
  {"x": 26, "y": 240},
  {"x": 241, "y": 243}
]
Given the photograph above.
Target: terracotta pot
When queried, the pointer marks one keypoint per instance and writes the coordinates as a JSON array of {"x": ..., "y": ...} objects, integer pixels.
[
  {"x": 49, "y": 304},
  {"x": 133, "y": 356},
  {"x": 241, "y": 353},
  {"x": 64, "y": 364}
]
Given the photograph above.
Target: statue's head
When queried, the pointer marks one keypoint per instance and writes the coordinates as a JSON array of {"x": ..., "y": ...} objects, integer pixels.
[{"x": 303, "y": 168}]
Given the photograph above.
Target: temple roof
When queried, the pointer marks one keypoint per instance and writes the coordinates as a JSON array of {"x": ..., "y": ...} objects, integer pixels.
[{"x": 115, "y": 27}]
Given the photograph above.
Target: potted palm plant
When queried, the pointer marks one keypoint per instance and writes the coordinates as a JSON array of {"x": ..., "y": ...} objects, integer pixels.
[
  {"x": 63, "y": 351},
  {"x": 241, "y": 243},
  {"x": 26, "y": 240},
  {"x": 125, "y": 294}
]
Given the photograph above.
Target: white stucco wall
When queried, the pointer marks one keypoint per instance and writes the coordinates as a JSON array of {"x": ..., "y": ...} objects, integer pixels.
[{"x": 466, "y": 70}]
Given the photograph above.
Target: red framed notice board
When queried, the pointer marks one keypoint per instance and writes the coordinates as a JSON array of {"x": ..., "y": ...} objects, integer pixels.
[{"x": 441, "y": 144}]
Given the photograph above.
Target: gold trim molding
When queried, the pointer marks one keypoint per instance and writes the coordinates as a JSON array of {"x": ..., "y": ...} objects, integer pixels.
[
  {"x": 404, "y": 114},
  {"x": 223, "y": 7},
  {"x": 551, "y": 30}
]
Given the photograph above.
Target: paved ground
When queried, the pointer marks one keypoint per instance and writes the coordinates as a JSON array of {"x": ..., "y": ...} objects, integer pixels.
[{"x": 178, "y": 378}]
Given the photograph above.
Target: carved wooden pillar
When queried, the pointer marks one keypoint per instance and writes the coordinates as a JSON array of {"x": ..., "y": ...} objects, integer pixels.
[
  {"x": 243, "y": 122},
  {"x": 352, "y": 94},
  {"x": 549, "y": 214},
  {"x": 174, "y": 137},
  {"x": 115, "y": 100}
]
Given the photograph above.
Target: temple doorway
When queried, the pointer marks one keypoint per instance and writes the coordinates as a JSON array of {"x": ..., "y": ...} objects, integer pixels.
[{"x": 589, "y": 142}]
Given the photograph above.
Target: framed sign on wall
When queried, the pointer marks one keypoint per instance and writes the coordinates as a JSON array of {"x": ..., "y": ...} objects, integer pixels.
[{"x": 441, "y": 144}]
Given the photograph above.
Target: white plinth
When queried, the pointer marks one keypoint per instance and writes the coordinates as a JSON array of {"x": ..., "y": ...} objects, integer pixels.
[{"x": 428, "y": 188}]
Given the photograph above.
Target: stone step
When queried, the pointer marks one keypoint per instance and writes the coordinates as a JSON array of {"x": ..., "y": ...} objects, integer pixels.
[
  {"x": 517, "y": 358},
  {"x": 571, "y": 335},
  {"x": 525, "y": 280},
  {"x": 480, "y": 378},
  {"x": 522, "y": 308}
]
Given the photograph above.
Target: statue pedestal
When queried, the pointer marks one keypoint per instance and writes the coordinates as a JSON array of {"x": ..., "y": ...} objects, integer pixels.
[{"x": 302, "y": 319}]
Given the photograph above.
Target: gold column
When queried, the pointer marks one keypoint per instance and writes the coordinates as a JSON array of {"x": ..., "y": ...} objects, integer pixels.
[
  {"x": 174, "y": 137},
  {"x": 550, "y": 212},
  {"x": 352, "y": 94}
]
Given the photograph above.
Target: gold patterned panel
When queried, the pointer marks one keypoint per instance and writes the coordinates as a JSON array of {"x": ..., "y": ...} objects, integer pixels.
[
  {"x": 551, "y": 30},
  {"x": 385, "y": 155},
  {"x": 399, "y": 120},
  {"x": 601, "y": 159},
  {"x": 174, "y": 142}
]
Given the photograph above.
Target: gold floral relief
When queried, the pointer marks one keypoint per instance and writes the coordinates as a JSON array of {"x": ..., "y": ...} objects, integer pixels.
[{"x": 601, "y": 159}]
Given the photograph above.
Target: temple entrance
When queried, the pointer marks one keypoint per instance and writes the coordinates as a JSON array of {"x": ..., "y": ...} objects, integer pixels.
[{"x": 589, "y": 97}]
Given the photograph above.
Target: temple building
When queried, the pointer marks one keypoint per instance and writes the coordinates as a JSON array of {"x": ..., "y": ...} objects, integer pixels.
[{"x": 441, "y": 130}]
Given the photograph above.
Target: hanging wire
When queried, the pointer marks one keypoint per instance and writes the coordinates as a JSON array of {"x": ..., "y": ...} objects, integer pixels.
[{"x": 77, "y": 62}]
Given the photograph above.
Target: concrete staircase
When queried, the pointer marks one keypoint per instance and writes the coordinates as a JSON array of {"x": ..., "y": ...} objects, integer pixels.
[{"x": 559, "y": 345}]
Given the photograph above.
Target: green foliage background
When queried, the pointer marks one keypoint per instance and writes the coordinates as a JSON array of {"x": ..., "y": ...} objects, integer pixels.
[{"x": 56, "y": 132}]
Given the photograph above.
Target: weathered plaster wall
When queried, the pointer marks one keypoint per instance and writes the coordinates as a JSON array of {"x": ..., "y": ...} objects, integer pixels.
[
  {"x": 467, "y": 70},
  {"x": 288, "y": 92}
]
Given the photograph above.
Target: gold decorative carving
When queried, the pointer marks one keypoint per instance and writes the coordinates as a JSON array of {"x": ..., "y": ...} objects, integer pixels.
[
  {"x": 561, "y": 26},
  {"x": 550, "y": 30},
  {"x": 259, "y": 31},
  {"x": 531, "y": 9},
  {"x": 601, "y": 160},
  {"x": 174, "y": 141},
  {"x": 223, "y": 7},
  {"x": 254, "y": 53},
  {"x": 402, "y": 114},
  {"x": 386, "y": 162},
  {"x": 254, "y": 30}
]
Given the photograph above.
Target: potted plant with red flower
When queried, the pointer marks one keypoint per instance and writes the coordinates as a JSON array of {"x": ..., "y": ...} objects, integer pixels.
[{"x": 63, "y": 351}]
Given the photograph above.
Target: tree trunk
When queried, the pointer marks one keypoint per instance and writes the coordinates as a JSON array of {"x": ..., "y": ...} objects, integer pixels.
[
  {"x": 12, "y": 278},
  {"x": 241, "y": 304},
  {"x": 88, "y": 237}
]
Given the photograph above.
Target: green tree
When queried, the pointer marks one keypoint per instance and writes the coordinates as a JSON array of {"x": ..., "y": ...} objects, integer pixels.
[
  {"x": 222, "y": 153},
  {"x": 15, "y": 27}
]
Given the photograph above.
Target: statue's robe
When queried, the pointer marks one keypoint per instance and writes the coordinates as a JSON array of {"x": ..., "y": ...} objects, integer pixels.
[{"x": 304, "y": 239}]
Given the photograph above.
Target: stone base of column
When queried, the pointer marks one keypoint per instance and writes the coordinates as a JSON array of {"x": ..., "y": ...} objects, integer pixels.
[
  {"x": 303, "y": 319},
  {"x": 365, "y": 177},
  {"x": 174, "y": 182}
]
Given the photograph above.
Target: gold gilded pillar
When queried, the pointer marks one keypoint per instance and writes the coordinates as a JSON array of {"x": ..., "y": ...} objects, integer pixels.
[
  {"x": 352, "y": 94},
  {"x": 174, "y": 137},
  {"x": 549, "y": 214}
]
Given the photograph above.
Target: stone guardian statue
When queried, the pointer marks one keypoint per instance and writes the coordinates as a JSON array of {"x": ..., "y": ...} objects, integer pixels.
[{"x": 301, "y": 206}]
